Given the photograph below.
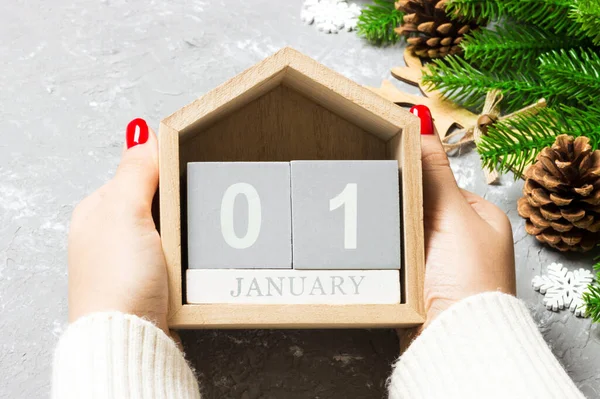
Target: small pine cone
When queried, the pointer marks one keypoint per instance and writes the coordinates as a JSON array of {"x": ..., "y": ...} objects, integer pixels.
[
  {"x": 561, "y": 201},
  {"x": 429, "y": 31}
]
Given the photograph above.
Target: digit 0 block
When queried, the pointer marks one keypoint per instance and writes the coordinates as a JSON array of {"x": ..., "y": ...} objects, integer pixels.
[
  {"x": 239, "y": 215},
  {"x": 345, "y": 215}
]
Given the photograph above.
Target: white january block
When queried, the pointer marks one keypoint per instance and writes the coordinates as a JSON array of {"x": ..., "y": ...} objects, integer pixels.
[
  {"x": 292, "y": 286},
  {"x": 239, "y": 215}
]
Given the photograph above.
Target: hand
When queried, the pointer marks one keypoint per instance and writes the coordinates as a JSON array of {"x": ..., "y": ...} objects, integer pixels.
[
  {"x": 468, "y": 240},
  {"x": 116, "y": 261}
]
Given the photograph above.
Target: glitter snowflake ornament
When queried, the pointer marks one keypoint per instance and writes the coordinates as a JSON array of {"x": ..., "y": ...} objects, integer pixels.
[
  {"x": 330, "y": 16},
  {"x": 563, "y": 288}
]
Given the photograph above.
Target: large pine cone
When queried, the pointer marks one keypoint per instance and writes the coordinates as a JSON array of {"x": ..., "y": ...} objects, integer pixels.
[
  {"x": 562, "y": 195},
  {"x": 429, "y": 31}
]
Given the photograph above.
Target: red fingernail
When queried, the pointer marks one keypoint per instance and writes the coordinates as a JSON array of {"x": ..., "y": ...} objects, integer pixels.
[
  {"x": 137, "y": 132},
  {"x": 426, "y": 120}
]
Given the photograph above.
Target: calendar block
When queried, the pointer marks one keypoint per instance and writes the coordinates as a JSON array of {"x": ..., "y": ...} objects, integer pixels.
[
  {"x": 239, "y": 215},
  {"x": 293, "y": 286},
  {"x": 345, "y": 215}
]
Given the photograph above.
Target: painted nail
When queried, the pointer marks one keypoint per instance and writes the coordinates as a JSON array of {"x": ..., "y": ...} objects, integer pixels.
[
  {"x": 424, "y": 115},
  {"x": 137, "y": 132}
]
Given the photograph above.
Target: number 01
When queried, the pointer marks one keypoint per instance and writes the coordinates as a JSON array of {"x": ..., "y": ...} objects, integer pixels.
[{"x": 347, "y": 198}]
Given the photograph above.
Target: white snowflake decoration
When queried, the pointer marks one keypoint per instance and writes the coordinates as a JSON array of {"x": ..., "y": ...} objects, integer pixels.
[
  {"x": 330, "y": 16},
  {"x": 563, "y": 288}
]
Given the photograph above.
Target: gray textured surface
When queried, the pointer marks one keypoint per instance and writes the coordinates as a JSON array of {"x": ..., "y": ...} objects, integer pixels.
[
  {"x": 260, "y": 223},
  {"x": 73, "y": 73},
  {"x": 319, "y": 234}
]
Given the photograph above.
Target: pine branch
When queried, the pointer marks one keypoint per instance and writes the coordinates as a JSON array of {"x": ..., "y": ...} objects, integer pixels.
[
  {"x": 592, "y": 302},
  {"x": 512, "y": 46},
  {"x": 477, "y": 10},
  {"x": 592, "y": 297},
  {"x": 462, "y": 83},
  {"x": 547, "y": 14},
  {"x": 587, "y": 14},
  {"x": 377, "y": 21},
  {"x": 574, "y": 73},
  {"x": 514, "y": 143}
]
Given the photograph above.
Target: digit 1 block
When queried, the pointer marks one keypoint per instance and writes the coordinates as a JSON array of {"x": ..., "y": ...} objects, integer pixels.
[
  {"x": 345, "y": 215},
  {"x": 239, "y": 215}
]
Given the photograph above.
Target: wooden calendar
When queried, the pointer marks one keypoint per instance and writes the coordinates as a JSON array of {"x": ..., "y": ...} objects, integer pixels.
[{"x": 291, "y": 197}]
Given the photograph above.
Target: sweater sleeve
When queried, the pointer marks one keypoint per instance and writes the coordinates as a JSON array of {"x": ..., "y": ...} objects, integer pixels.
[
  {"x": 114, "y": 355},
  {"x": 486, "y": 346}
]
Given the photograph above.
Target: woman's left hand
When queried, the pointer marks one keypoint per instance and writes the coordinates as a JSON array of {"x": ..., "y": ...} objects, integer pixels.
[{"x": 116, "y": 262}]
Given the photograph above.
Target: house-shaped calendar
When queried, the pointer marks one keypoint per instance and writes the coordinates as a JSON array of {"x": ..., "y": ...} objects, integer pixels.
[{"x": 269, "y": 139}]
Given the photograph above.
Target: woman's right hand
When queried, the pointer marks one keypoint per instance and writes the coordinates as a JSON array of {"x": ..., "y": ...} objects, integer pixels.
[{"x": 468, "y": 240}]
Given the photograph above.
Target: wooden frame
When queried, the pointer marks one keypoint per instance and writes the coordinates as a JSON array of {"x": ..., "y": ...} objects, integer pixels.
[{"x": 291, "y": 107}]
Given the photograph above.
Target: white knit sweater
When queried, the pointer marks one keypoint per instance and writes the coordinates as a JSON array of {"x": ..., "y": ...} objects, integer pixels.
[{"x": 486, "y": 346}]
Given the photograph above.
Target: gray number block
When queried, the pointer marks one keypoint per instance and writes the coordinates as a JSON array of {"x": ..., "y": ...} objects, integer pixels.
[
  {"x": 239, "y": 215},
  {"x": 345, "y": 215}
]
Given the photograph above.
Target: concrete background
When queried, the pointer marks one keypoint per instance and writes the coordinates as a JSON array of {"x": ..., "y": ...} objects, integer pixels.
[{"x": 74, "y": 72}]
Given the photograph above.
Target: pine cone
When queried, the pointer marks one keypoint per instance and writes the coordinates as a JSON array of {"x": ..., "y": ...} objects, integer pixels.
[
  {"x": 429, "y": 31},
  {"x": 562, "y": 195}
]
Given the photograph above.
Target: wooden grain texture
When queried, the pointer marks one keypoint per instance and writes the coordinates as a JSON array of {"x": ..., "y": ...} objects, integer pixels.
[
  {"x": 412, "y": 73},
  {"x": 345, "y": 98},
  {"x": 295, "y": 316},
  {"x": 227, "y": 98},
  {"x": 324, "y": 86},
  {"x": 406, "y": 148},
  {"x": 284, "y": 126},
  {"x": 170, "y": 215},
  {"x": 291, "y": 107}
]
